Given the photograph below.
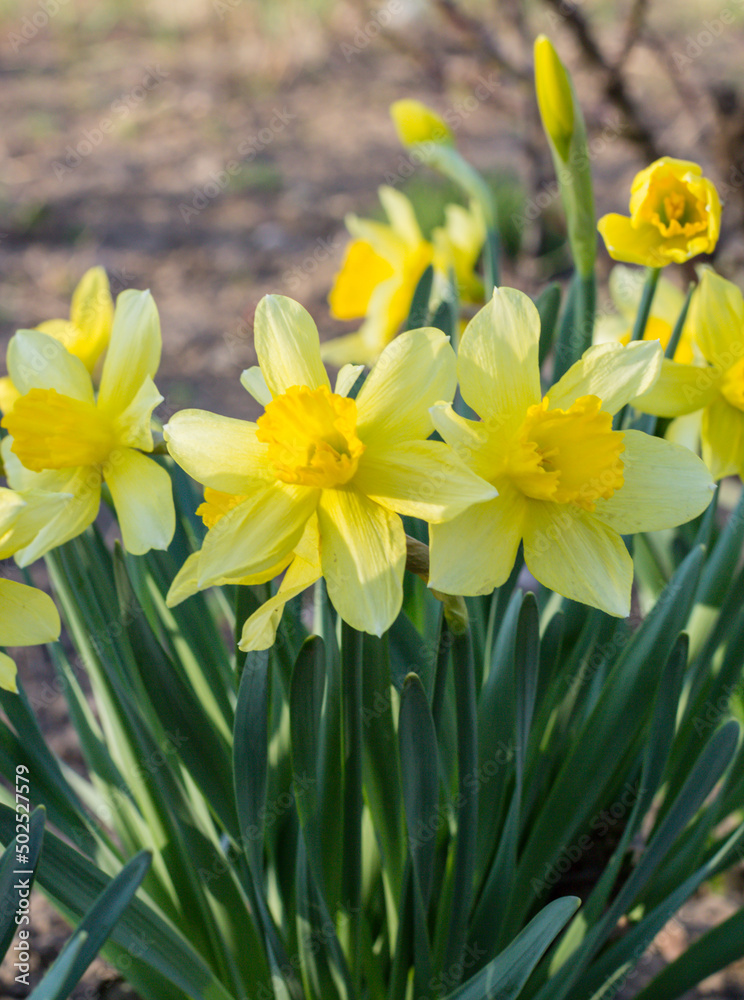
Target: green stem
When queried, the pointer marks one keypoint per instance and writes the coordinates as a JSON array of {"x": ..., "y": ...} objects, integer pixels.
[
  {"x": 644, "y": 307},
  {"x": 351, "y": 885},
  {"x": 467, "y": 799}
]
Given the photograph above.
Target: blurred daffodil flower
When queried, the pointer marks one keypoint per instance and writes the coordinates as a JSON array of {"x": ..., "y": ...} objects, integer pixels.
[{"x": 28, "y": 617}]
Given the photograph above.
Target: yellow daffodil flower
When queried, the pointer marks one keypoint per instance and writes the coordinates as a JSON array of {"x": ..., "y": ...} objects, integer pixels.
[
  {"x": 63, "y": 439},
  {"x": 714, "y": 388},
  {"x": 85, "y": 334},
  {"x": 675, "y": 214},
  {"x": 383, "y": 265},
  {"x": 354, "y": 465},
  {"x": 626, "y": 287},
  {"x": 569, "y": 485},
  {"x": 28, "y": 617}
]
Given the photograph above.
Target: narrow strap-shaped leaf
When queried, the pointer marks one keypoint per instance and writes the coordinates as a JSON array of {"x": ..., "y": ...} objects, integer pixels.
[
  {"x": 93, "y": 930},
  {"x": 418, "y": 314},
  {"x": 548, "y": 304},
  {"x": 17, "y": 877},
  {"x": 505, "y": 976},
  {"x": 420, "y": 778}
]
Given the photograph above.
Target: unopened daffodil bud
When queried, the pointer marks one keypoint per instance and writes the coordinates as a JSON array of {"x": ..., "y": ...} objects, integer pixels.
[
  {"x": 564, "y": 126},
  {"x": 416, "y": 123},
  {"x": 554, "y": 96}
]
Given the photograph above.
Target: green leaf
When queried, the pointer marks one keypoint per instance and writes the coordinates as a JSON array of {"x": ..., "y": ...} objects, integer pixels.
[
  {"x": 504, "y": 977},
  {"x": 92, "y": 932},
  {"x": 420, "y": 778},
  {"x": 719, "y": 947},
  {"x": 548, "y": 304},
  {"x": 11, "y": 882},
  {"x": 418, "y": 315}
]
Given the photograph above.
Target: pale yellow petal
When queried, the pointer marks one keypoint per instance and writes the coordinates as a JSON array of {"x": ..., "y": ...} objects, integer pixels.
[
  {"x": 8, "y": 673},
  {"x": 414, "y": 371},
  {"x": 21, "y": 522},
  {"x": 469, "y": 439},
  {"x": 253, "y": 381},
  {"x": 28, "y": 616},
  {"x": 498, "y": 359},
  {"x": 143, "y": 498},
  {"x": 716, "y": 319},
  {"x": 399, "y": 211},
  {"x": 613, "y": 372},
  {"x": 134, "y": 425},
  {"x": 685, "y": 431},
  {"x": 71, "y": 518},
  {"x": 220, "y": 452},
  {"x": 475, "y": 552},
  {"x": 664, "y": 485},
  {"x": 363, "y": 555},
  {"x": 423, "y": 479},
  {"x": 256, "y": 534},
  {"x": 287, "y": 345},
  {"x": 680, "y": 389},
  {"x": 259, "y": 631},
  {"x": 92, "y": 313},
  {"x": 350, "y": 349},
  {"x": 185, "y": 582},
  {"x": 38, "y": 361},
  {"x": 723, "y": 439},
  {"x": 346, "y": 379},
  {"x": 578, "y": 557},
  {"x": 133, "y": 352}
]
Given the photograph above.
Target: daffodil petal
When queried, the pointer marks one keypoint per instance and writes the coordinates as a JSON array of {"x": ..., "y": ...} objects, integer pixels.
[
  {"x": 186, "y": 581},
  {"x": 27, "y": 616},
  {"x": 414, "y": 371},
  {"x": 22, "y": 479},
  {"x": 287, "y": 345},
  {"x": 614, "y": 373},
  {"x": 717, "y": 319},
  {"x": 134, "y": 424},
  {"x": 133, "y": 352},
  {"x": 633, "y": 245},
  {"x": 348, "y": 350},
  {"x": 680, "y": 389},
  {"x": 686, "y": 431},
  {"x": 143, "y": 498},
  {"x": 8, "y": 673},
  {"x": 220, "y": 452},
  {"x": 92, "y": 313},
  {"x": 253, "y": 381},
  {"x": 346, "y": 379},
  {"x": 363, "y": 555},
  {"x": 79, "y": 510},
  {"x": 475, "y": 552},
  {"x": 21, "y": 524},
  {"x": 401, "y": 214},
  {"x": 422, "y": 479},
  {"x": 259, "y": 631},
  {"x": 256, "y": 534},
  {"x": 577, "y": 556},
  {"x": 468, "y": 438},
  {"x": 723, "y": 439},
  {"x": 38, "y": 361},
  {"x": 665, "y": 485},
  {"x": 497, "y": 359}
]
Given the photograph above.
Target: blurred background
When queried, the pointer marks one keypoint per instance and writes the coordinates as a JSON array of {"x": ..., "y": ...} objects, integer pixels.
[{"x": 210, "y": 149}]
